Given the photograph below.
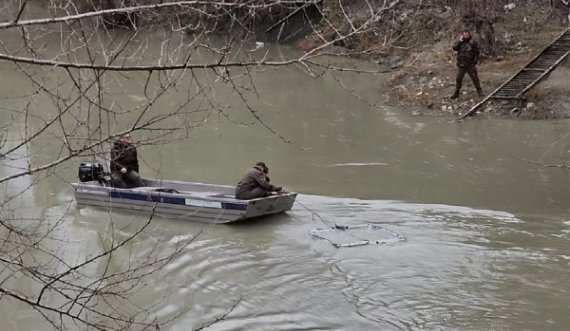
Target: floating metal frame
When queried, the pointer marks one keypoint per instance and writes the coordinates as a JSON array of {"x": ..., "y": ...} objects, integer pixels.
[{"x": 316, "y": 233}]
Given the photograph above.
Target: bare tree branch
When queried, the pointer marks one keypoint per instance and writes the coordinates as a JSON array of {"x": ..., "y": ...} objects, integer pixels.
[
  {"x": 156, "y": 7},
  {"x": 88, "y": 83}
]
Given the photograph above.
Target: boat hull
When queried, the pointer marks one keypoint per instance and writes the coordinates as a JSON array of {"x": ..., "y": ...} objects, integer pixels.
[{"x": 196, "y": 202}]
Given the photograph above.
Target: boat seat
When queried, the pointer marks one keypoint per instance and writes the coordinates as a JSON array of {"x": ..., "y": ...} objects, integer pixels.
[
  {"x": 155, "y": 189},
  {"x": 223, "y": 195},
  {"x": 145, "y": 188},
  {"x": 193, "y": 193}
]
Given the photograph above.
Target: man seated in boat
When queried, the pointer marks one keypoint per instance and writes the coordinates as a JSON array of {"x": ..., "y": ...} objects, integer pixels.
[
  {"x": 124, "y": 163},
  {"x": 255, "y": 184}
]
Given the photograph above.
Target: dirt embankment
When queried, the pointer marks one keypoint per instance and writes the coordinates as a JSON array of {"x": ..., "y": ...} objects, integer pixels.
[{"x": 424, "y": 64}]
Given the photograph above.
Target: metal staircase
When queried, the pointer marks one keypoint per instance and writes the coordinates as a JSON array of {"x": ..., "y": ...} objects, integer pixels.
[{"x": 531, "y": 74}]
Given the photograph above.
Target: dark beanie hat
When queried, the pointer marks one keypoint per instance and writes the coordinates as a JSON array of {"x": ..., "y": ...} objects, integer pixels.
[{"x": 262, "y": 165}]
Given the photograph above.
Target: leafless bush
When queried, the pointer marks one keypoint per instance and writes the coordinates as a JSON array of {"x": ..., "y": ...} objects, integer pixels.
[{"x": 76, "y": 64}]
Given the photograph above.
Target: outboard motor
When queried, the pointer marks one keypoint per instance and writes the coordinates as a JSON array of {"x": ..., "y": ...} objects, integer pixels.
[{"x": 90, "y": 171}]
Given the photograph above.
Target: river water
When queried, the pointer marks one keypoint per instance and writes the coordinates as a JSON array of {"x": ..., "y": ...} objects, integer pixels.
[{"x": 487, "y": 228}]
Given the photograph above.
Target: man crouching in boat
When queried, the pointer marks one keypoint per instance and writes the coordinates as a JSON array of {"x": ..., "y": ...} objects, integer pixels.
[
  {"x": 125, "y": 163},
  {"x": 255, "y": 184}
]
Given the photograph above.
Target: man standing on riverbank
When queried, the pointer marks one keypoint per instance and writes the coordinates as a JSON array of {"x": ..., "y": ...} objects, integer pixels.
[{"x": 467, "y": 57}]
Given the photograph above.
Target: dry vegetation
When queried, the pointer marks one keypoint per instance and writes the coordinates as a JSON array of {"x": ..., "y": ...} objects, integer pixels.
[
  {"x": 427, "y": 76},
  {"x": 415, "y": 37}
]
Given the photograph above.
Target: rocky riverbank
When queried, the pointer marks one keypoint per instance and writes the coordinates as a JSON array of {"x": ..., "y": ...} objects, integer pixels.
[{"x": 424, "y": 66}]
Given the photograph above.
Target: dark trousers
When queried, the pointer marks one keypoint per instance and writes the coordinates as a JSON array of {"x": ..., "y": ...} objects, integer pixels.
[
  {"x": 472, "y": 72},
  {"x": 257, "y": 192},
  {"x": 128, "y": 180}
]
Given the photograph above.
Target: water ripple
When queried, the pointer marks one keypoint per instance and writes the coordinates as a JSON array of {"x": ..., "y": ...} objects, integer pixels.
[{"x": 460, "y": 269}]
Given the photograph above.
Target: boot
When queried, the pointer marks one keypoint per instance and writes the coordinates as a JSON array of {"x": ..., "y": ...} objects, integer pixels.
[
  {"x": 480, "y": 92},
  {"x": 455, "y": 95}
]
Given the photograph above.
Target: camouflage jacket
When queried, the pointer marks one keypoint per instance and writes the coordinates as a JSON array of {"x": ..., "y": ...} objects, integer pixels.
[{"x": 467, "y": 53}]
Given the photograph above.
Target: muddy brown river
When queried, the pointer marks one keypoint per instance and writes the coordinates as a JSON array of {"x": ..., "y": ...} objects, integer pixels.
[{"x": 487, "y": 224}]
